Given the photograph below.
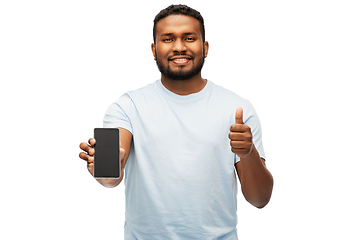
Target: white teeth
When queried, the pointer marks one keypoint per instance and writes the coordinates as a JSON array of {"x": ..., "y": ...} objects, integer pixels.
[{"x": 180, "y": 59}]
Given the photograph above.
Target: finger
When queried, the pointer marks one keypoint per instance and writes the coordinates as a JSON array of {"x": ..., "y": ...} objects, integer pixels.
[
  {"x": 88, "y": 149},
  {"x": 92, "y": 141},
  {"x": 237, "y": 144},
  {"x": 240, "y": 145},
  {"x": 239, "y": 128},
  {"x": 239, "y": 116},
  {"x": 237, "y": 136},
  {"x": 122, "y": 158},
  {"x": 122, "y": 153},
  {"x": 84, "y": 146},
  {"x": 84, "y": 156}
]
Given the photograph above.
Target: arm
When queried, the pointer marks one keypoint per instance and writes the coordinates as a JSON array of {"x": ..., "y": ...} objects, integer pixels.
[
  {"x": 256, "y": 180},
  {"x": 88, "y": 155}
]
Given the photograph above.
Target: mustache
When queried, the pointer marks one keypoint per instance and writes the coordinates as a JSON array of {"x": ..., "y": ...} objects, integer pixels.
[{"x": 181, "y": 55}]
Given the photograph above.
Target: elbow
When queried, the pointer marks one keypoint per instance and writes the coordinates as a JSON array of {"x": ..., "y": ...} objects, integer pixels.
[
  {"x": 261, "y": 205},
  {"x": 260, "y": 197},
  {"x": 258, "y": 202}
]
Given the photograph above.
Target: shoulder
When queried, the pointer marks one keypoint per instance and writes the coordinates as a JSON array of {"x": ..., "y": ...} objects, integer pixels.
[
  {"x": 128, "y": 97},
  {"x": 229, "y": 100},
  {"x": 226, "y": 93},
  {"x": 122, "y": 110},
  {"x": 229, "y": 97},
  {"x": 144, "y": 91}
]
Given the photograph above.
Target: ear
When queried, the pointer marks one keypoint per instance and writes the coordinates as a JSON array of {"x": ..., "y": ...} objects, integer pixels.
[
  {"x": 153, "y": 49},
  {"x": 206, "y": 48}
]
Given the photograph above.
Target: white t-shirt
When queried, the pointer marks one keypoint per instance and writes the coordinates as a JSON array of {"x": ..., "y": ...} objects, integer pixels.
[{"x": 180, "y": 180}]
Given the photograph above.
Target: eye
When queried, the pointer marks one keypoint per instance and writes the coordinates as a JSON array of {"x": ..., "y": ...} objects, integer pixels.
[
  {"x": 167, "y": 40},
  {"x": 190, "y": 39}
]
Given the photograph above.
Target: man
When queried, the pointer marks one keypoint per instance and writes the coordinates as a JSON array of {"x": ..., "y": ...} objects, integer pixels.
[{"x": 180, "y": 140}]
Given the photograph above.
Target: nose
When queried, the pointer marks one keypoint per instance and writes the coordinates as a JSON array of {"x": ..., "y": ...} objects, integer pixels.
[{"x": 179, "y": 46}]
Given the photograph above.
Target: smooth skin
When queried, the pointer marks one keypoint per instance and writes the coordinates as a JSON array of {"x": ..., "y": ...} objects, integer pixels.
[
  {"x": 181, "y": 34},
  {"x": 256, "y": 180}
]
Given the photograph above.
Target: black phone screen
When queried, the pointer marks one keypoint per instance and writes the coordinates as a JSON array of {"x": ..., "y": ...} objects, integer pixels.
[{"x": 107, "y": 153}]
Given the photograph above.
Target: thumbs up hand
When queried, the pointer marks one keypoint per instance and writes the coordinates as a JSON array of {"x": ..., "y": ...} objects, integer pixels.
[{"x": 240, "y": 136}]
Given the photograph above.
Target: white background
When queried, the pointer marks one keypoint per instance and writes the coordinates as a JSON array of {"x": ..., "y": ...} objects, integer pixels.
[{"x": 62, "y": 63}]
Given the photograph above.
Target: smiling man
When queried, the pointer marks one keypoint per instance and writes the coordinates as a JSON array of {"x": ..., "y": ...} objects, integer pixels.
[
  {"x": 183, "y": 140},
  {"x": 179, "y": 48}
]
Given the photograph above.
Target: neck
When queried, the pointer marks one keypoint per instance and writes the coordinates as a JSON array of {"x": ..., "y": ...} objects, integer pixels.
[{"x": 184, "y": 87}]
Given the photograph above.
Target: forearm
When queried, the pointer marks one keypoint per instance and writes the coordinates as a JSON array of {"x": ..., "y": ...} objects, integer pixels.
[{"x": 256, "y": 180}]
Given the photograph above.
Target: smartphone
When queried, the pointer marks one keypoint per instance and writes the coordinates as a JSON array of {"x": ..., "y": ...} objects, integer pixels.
[{"x": 107, "y": 153}]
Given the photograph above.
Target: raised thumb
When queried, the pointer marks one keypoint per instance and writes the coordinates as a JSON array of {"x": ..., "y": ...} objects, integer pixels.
[{"x": 239, "y": 116}]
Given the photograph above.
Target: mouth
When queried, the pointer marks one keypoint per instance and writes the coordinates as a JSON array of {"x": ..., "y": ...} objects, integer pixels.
[{"x": 180, "y": 59}]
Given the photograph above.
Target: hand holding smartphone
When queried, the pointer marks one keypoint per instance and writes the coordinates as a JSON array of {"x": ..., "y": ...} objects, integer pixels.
[{"x": 107, "y": 153}]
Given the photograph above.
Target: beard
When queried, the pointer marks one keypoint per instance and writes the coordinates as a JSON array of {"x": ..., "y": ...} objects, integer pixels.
[{"x": 180, "y": 74}]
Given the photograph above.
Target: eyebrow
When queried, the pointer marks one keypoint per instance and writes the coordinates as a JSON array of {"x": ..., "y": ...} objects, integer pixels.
[{"x": 186, "y": 34}]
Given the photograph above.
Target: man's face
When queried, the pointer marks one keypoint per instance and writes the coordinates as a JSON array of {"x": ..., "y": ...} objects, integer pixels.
[{"x": 179, "y": 50}]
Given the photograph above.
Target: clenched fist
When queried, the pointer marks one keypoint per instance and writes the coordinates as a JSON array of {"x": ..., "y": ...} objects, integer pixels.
[{"x": 240, "y": 136}]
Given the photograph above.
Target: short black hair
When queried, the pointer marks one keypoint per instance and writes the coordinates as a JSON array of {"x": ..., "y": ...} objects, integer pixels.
[{"x": 179, "y": 10}]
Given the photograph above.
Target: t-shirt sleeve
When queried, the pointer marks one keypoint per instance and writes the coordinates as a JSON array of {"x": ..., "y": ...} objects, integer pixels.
[
  {"x": 252, "y": 120},
  {"x": 118, "y": 114}
]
